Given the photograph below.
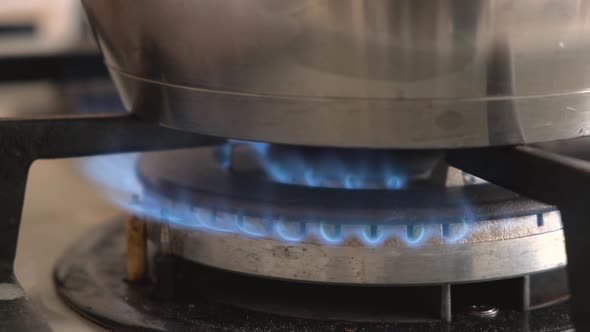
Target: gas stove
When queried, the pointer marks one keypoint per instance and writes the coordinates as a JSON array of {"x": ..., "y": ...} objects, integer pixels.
[{"x": 316, "y": 166}]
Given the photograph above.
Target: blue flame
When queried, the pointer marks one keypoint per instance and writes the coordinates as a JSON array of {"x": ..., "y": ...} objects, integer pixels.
[
  {"x": 223, "y": 156},
  {"x": 464, "y": 232},
  {"x": 412, "y": 239},
  {"x": 394, "y": 182},
  {"x": 373, "y": 235},
  {"x": 330, "y": 172},
  {"x": 290, "y": 231},
  {"x": 252, "y": 228},
  {"x": 311, "y": 180},
  {"x": 336, "y": 237},
  {"x": 116, "y": 174}
]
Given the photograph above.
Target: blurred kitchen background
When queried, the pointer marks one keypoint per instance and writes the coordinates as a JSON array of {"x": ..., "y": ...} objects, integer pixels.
[{"x": 49, "y": 65}]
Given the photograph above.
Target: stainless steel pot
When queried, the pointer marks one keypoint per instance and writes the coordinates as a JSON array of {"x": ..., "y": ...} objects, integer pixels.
[{"x": 354, "y": 73}]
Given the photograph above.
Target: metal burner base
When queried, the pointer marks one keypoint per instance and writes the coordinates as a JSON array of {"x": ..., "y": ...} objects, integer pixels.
[{"x": 90, "y": 278}]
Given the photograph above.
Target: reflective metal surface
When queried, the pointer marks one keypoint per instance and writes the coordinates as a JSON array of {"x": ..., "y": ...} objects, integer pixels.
[
  {"x": 367, "y": 73},
  {"x": 487, "y": 256}
]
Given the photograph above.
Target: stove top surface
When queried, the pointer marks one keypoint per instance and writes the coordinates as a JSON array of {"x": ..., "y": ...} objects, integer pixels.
[{"x": 60, "y": 206}]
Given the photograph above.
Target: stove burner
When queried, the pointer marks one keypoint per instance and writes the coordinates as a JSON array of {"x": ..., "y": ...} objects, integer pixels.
[{"x": 240, "y": 221}]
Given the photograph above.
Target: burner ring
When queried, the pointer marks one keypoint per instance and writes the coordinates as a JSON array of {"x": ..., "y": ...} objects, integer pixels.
[
  {"x": 249, "y": 225},
  {"x": 353, "y": 264}
]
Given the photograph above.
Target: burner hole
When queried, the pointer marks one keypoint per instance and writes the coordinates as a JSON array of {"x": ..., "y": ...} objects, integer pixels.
[
  {"x": 353, "y": 182},
  {"x": 291, "y": 231},
  {"x": 394, "y": 182},
  {"x": 222, "y": 155},
  {"x": 331, "y": 232},
  {"x": 372, "y": 235},
  {"x": 446, "y": 231},
  {"x": 414, "y": 233},
  {"x": 310, "y": 179}
]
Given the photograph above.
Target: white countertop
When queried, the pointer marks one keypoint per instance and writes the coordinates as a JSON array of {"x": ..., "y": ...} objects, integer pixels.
[{"x": 60, "y": 206}]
